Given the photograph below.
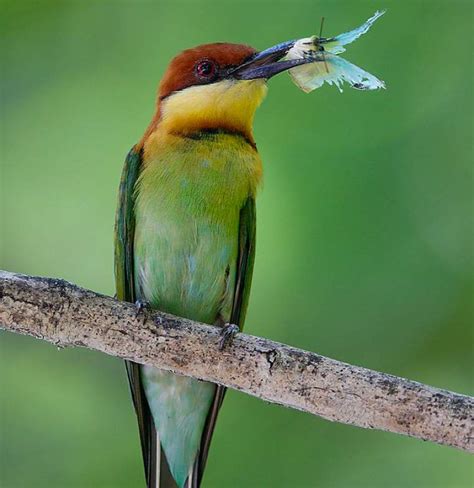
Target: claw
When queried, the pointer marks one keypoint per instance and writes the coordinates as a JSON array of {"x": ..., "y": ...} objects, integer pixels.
[
  {"x": 142, "y": 307},
  {"x": 227, "y": 334}
]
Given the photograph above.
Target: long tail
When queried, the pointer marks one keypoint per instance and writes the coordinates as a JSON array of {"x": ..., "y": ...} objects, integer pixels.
[
  {"x": 157, "y": 470},
  {"x": 164, "y": 476}
]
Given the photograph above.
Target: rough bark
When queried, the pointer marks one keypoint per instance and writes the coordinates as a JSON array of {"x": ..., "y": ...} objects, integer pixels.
[{"x": 66, "y": 315}]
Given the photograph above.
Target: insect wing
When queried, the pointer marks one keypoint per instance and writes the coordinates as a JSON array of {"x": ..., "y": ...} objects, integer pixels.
[
  {"x": 334, "y": 45},
  {"x": 310, "y": 76}
]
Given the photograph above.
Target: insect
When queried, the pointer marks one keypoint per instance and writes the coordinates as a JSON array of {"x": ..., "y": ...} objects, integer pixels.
[{"x": 326, "y": 65}]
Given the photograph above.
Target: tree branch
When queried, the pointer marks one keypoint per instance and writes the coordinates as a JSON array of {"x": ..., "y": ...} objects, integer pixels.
[{"x": 67, "y": 315}]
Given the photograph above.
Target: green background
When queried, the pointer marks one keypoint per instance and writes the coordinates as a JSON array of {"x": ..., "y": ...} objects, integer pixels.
[{"x": 364, "y": 229}]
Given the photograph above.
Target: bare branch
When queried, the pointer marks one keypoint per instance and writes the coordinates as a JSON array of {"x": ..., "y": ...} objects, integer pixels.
[{"x": 67, "y": 315}]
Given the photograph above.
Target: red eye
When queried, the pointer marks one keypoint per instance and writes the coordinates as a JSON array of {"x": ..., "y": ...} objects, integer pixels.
[{"x": 205, "y": 69}]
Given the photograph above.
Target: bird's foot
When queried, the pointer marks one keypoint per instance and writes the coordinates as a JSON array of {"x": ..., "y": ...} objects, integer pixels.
[
  {"x": 142, "y": 308},
  {"x": 227, "y": 334}
]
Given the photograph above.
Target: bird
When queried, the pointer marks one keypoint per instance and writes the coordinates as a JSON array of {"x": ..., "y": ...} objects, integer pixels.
[{"x": 185, "y": 232}]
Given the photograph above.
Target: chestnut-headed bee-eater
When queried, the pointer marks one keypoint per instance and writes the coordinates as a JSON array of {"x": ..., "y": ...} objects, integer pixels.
[{"x": 185, "y": 234}]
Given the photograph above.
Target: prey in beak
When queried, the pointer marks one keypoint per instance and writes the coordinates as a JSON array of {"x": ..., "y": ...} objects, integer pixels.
[{"x": 311, "y": 61}]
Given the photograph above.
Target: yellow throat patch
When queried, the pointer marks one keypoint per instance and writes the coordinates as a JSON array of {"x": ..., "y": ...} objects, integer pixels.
[{"x": 228, "y": 105}]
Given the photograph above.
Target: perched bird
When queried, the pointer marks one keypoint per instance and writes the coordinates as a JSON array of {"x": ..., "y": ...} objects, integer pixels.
[{"x": 185, "y": 234}]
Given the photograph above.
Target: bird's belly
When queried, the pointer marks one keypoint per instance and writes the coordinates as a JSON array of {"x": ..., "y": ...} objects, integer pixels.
[{"x": 186, "y": 266}]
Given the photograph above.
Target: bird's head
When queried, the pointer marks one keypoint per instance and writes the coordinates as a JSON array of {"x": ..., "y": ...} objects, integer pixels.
[{"x": 216, "y": 87}]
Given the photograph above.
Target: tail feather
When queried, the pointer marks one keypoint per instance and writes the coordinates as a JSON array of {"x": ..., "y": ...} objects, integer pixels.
[
  {"x": 157, "y": 470},
  {"x": 148, "y": 437},
  {"x": 208, "y": 431},
  {"x": 196, "y": 473},
  {"x": 164, "y": 478}
]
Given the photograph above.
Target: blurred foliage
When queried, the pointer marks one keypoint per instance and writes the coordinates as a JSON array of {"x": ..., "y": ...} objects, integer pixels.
[{"x": 364, "y": 229}]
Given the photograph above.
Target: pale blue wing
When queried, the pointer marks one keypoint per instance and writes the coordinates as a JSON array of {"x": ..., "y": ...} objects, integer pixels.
[
  {"x": 334, "y": 45},
  {"x": 334, "y": 71}
]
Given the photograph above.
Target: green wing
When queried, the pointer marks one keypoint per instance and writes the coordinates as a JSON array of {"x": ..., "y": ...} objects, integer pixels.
[
  {"x": 125, "y": 286},
  {"x": 246, "y": 258},
  {"x": 245, "y": 261},
  {"x": 125, "y": 228}
]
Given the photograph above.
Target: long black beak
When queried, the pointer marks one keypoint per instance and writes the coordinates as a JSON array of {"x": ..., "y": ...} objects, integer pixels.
[{"x": 266, "y": 64}]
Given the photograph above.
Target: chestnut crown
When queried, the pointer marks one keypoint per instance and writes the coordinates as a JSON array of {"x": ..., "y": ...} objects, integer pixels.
[{"x": 203, "y": 65}]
